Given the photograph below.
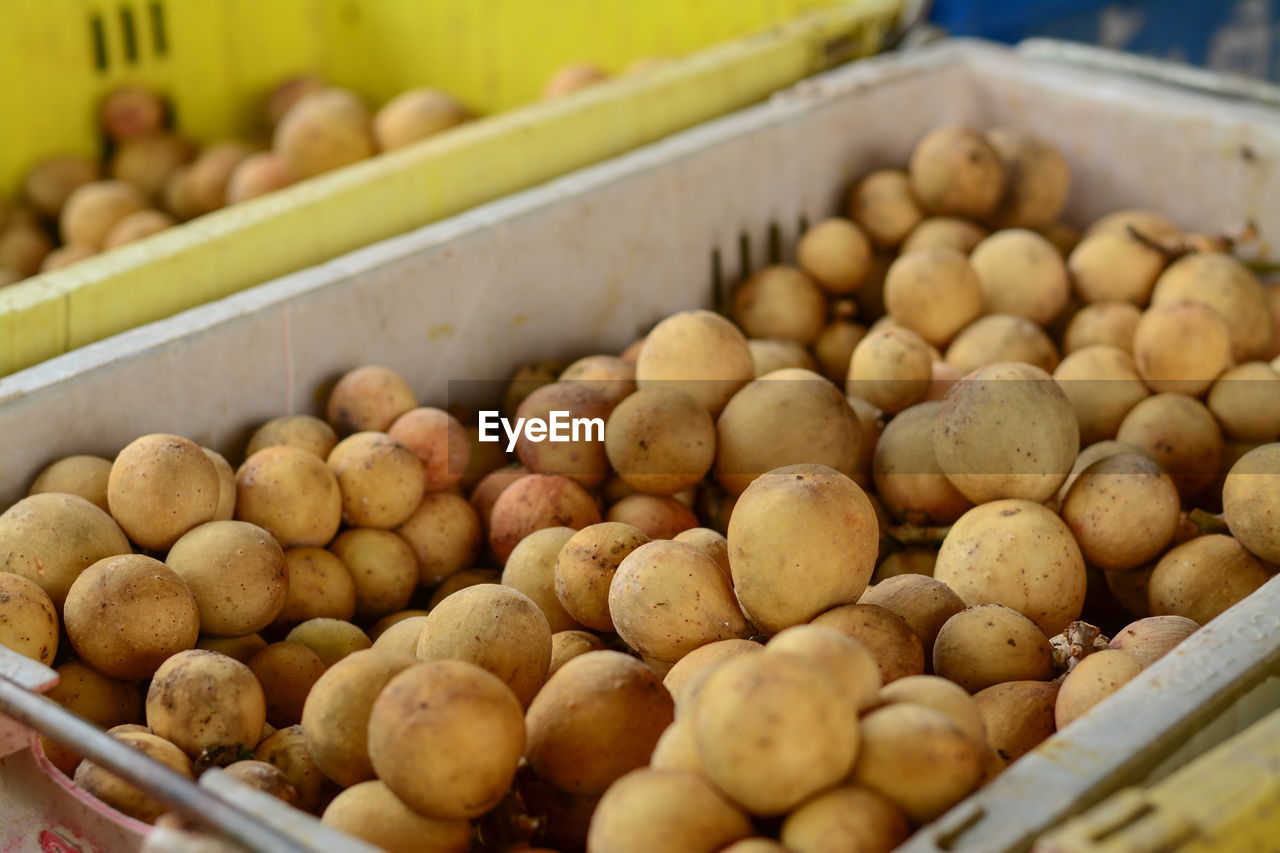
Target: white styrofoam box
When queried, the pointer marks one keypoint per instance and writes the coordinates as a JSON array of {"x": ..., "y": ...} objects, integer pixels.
[{"x": 588, "y": 262}]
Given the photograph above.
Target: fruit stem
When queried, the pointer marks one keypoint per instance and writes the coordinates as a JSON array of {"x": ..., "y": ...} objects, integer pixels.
[{"x": 1207, "y": 522}]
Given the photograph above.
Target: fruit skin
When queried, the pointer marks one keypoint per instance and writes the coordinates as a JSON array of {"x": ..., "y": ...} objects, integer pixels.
[
  {"x": 324, "y": 131},
  {"x": 1093, "y": 679},
  {"x": 414, "y": 115},
  {"x": 774, "y": 729},
  {"x": 997, "y": 409},
  {"x": 127, "y": 615},
  {"x": 1017, "y": 716},
  {"x": 802, "y": 539},
  {"x": 1016, "y": 553},
  {"x": 649, "y": 810},
  {"x": 1250, "y": 496},
  {"x": 93, "y": 208},
  {"x": 203, "y": 701},
  {"x": 446, "y": 737},
  {"x": 372, "y": 813},
  {"x": 991, "y": 644},
  {"x": 916, "y": 757},
  {"x": 954, "y": 171},
  {"x": 595, "y": 720}
]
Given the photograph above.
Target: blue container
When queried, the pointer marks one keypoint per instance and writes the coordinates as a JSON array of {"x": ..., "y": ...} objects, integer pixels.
[{"x": 1236, "y": 36}]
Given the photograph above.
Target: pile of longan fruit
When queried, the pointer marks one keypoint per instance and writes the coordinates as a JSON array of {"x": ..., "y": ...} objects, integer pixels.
[
  {"x": 924, "y": 497},
  {"x": 151, "y": 178}
]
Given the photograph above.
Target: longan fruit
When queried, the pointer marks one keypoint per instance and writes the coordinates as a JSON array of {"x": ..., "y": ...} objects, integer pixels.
[
  {"x": 291, "y": 493},
  {"x": 1246, "y": 401},
  {"x": 1220, "y": 282},
  {"x": 371, "y": 397},
  {"x": 319, "y": 585},
  {"x": 945, "y": 232},
  {"x": 850, "y": 663},
  {"x": 207, "y": 704},
  {"x": 997, "y": 338},
  {"x": 647, "y": 809},
  {"x": 991, "y": 644},
  {"x": 382, "y": 566},
  {"x": 923, "y": 602},
  {"x": 1250, "y": 495},
  {"x": 496, "y": 628},
  {"x": 126, "y": 615},
  {"x": 1021, "y": 273},
  {"x": 335, "y": 713},
  {"x": 595, "y": 720},
  {"x": 755, "y": 722},
  {"x": 160, "y": 487},
  {"x": 908, "y": 479},
  {"x": 1017, "y": 716},
  {"x": 845, "y": 818},
  {"x": 1103, "y": 384},
  {"x": 934, "y": 293},
  {"x": 381, "y": 480},
  {"x": 954, "y": 171},
  {"x": 439, "y": 440},
  {"x": 49, "y": 183},
  {"x": 371, "y": 812},
  {"x": 1181, "y": 347},
  {"x": 237, "y": 573},
  {"x": 657, "y": 516},
  {"x": 306, "y": 432},
  {"x": 998, "y": 408},
  {"x": 1109, "y": 323},
  {"x": 1093, "y": 679},
  {"x": 121, "y": 795},
  {"x": 1122, "y": 510},
  {"x": 785, "y": 417},
  {"x": 331, "y": 639},
  {"x": 258, "y": 174},
  {"x": 1039, "y": 178},
  {"x": 137, "y": 226},
  {"x": 835, "y": 254},
  {"x": 1017, "y": 553},
  {"x": 700, "y": 353},
  {"x": 1152, "y": 638},
  {"x": 28, "y": 619},
  {"x": 532, "y": 503},
  {"x": 667, "y": 598},
  {"x": 50, "y": 538},
  {"x": 1201, "y": 578},
  {"x": 883, "y": 205},
  {"x": 897, "y": 649},
  {"x": 584, "y": 568},
  {"x": 802, "y": 539},
  {"x": 1180, "y": 433},
  {"x": 446, "y": 737},
  {"x": 287, "y": 670},
  {"x": 1114, "y": 266},
  {"x": 322, "y": 131},
  {"x": 890, "y": 369},
  {"x": 413, "y": 115},
  {"x": 917, "y": 758},
  {"x": 782, "y": 303}
]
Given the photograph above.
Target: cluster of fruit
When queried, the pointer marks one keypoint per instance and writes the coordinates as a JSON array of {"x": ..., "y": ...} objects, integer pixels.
[
  {"x": 928, "y": 495},
  {"x": 152, "y": 178}
]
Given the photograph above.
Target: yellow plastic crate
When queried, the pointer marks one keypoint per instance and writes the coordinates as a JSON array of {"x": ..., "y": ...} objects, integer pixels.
[
  {"x": 216, "y": 60},
  {"x": 1228, "y": 799}
]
